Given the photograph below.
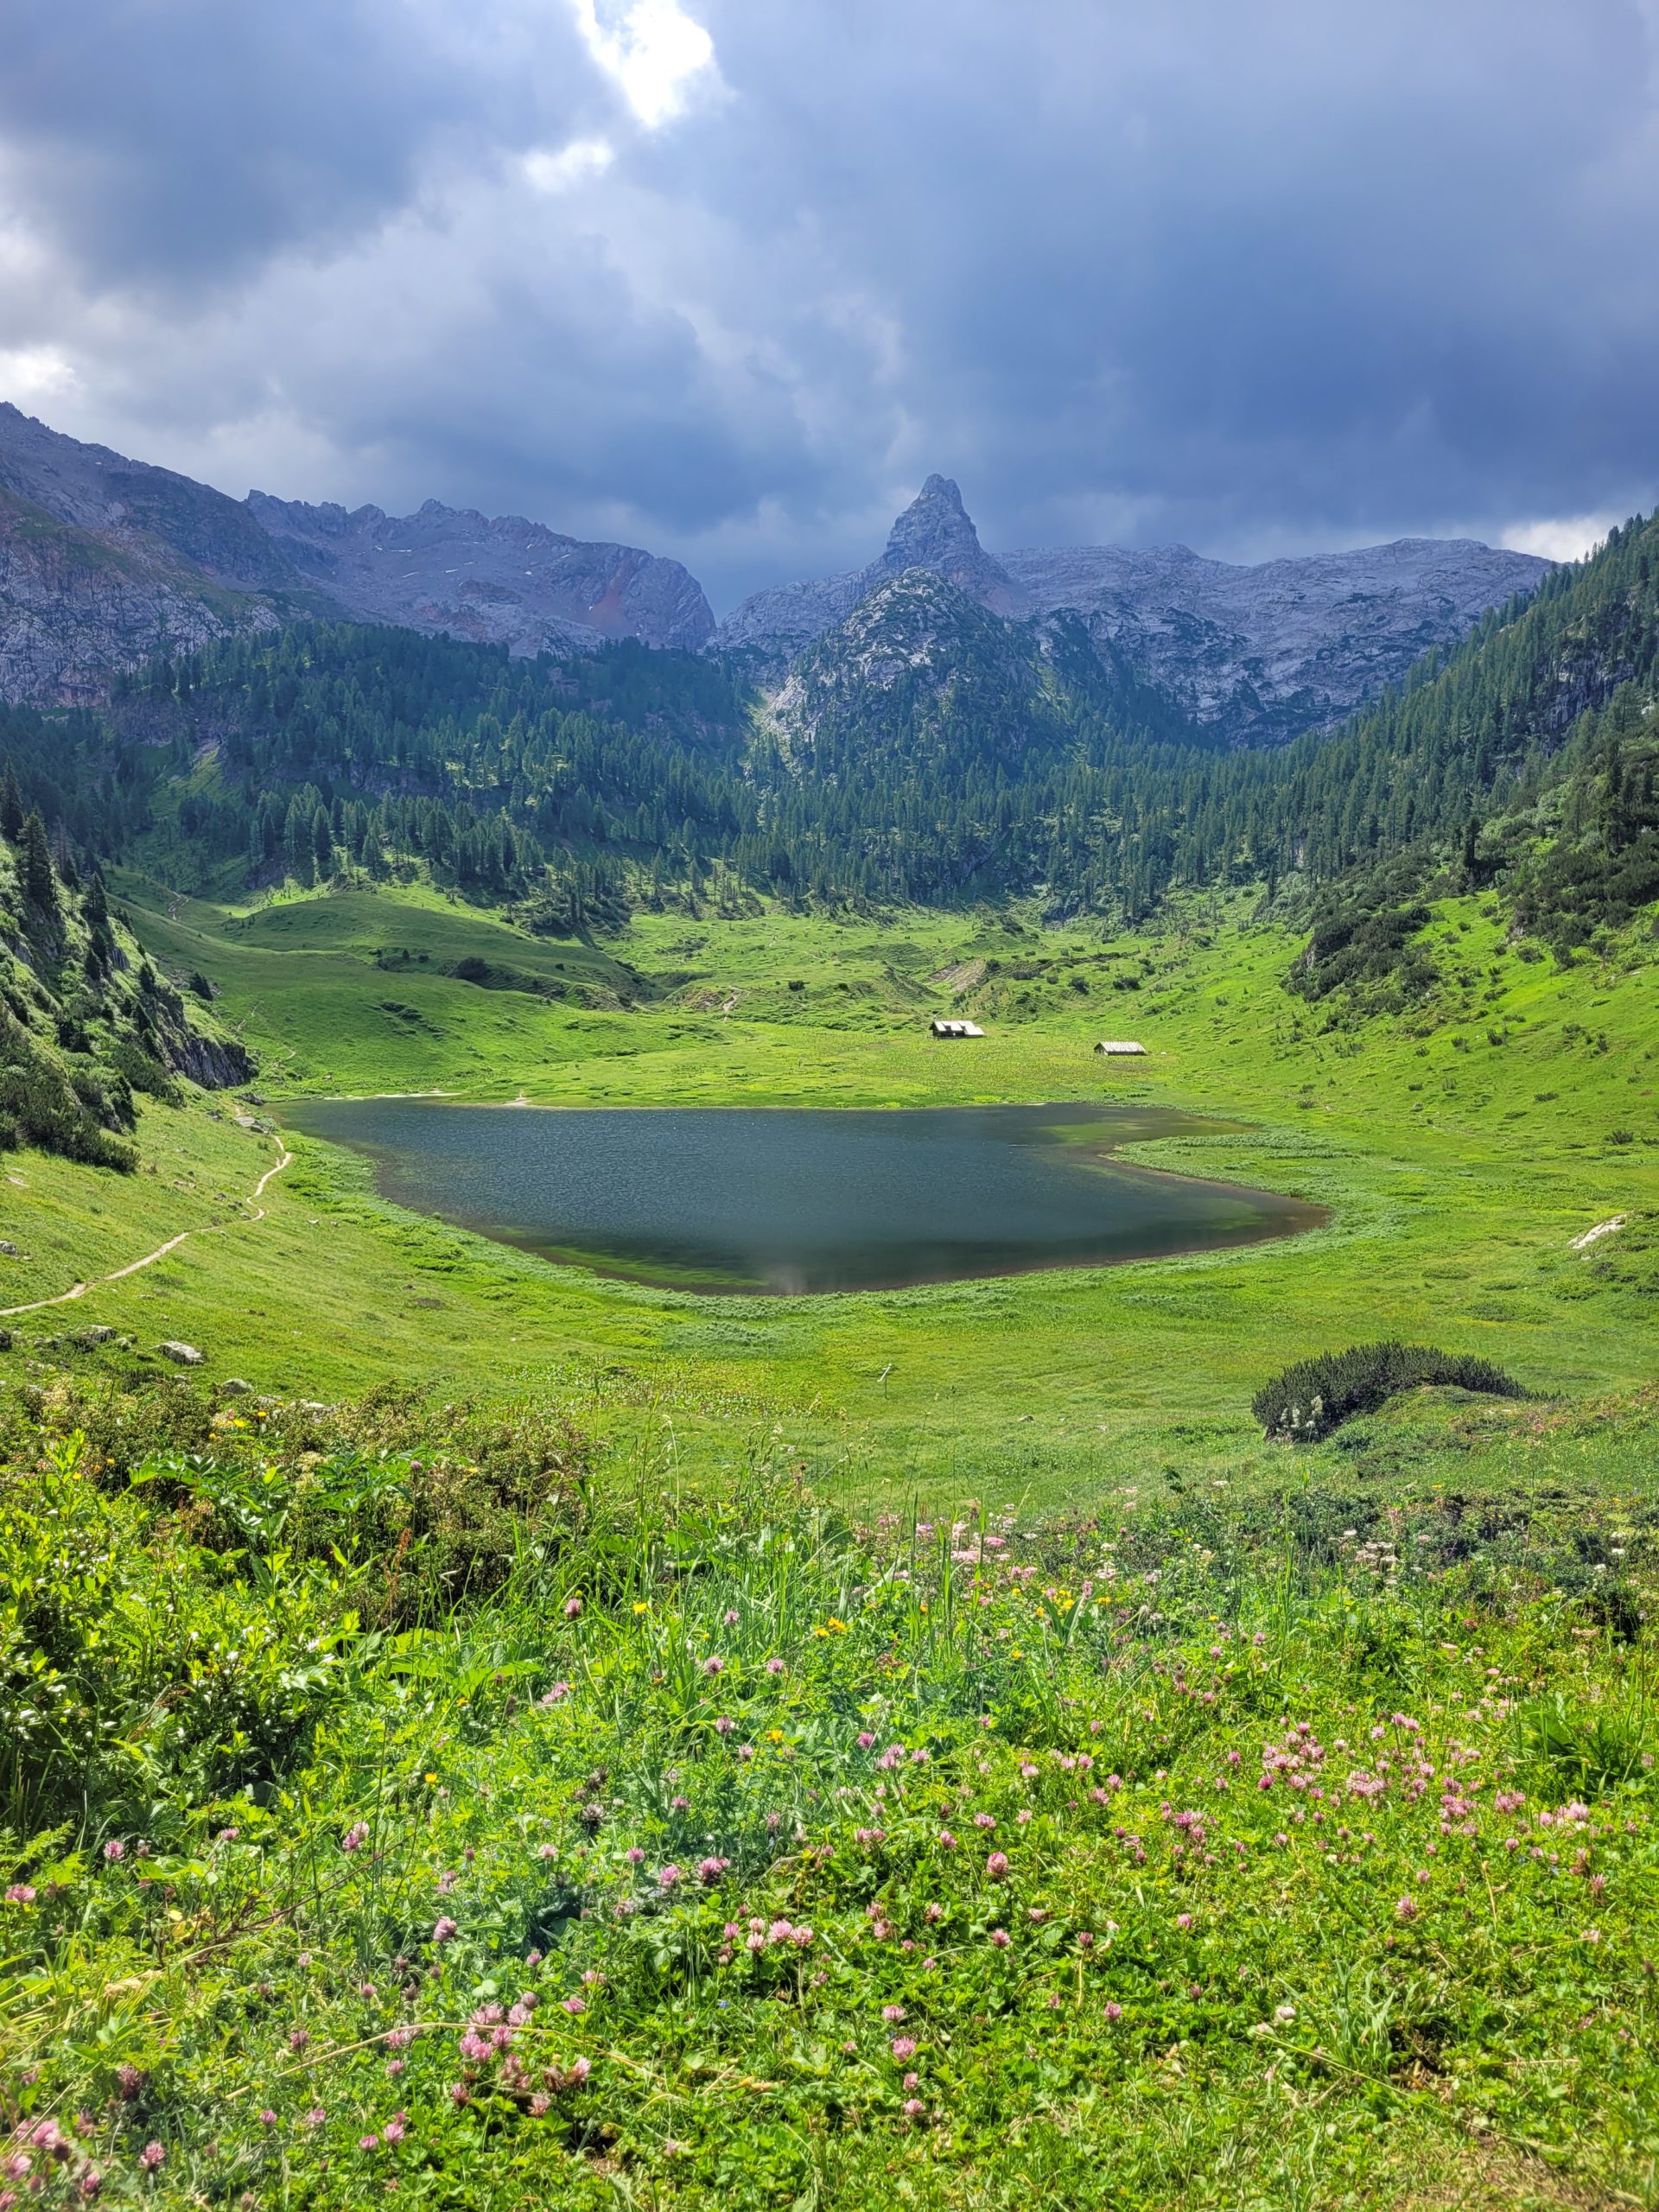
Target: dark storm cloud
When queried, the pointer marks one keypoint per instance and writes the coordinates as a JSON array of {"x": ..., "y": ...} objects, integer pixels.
[
  {"x": 180, "y": 139},
  {"x": 1253, "y": 273}
]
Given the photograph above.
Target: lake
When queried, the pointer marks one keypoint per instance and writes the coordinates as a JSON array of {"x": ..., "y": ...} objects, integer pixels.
[{"x": 783, "y": 1201}]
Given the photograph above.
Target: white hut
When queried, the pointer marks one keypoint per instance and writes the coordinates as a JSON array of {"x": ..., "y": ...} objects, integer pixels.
[
  {"x": 956, "y": 1029},
  {"x": 1121, "y": 1048}
]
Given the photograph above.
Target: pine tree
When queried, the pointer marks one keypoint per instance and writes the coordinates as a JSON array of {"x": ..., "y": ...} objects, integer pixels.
[{"x": 11, "y": 806}]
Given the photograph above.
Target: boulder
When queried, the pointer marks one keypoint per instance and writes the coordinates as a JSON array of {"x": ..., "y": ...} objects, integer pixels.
[{"x": 182, "y": 1355}]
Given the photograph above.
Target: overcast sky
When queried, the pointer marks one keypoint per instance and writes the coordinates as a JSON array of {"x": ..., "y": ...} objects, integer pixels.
[{"x": 727, "y": 278}]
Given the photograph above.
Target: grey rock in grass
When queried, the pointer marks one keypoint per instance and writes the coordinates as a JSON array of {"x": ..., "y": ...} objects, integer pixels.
[{"x": 181, "y": 1354}]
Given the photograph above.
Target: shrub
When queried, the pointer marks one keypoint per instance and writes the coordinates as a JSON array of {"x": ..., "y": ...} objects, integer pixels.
[{"x": 1315, "y": 1397}]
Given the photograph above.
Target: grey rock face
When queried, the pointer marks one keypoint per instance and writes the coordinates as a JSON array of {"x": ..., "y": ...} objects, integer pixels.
[
  {"x": 916, "y": 656},
  {"x": 934, "y": 533},
  {"x": 1285, "y": 646},
  {"x": 1261, "y": 652},
  {"x": 217, "y": 1064},
  {"x": 135, "y": 505},
  {"x": 501, "y": 581},
  {"x": 106, "y": 562}
]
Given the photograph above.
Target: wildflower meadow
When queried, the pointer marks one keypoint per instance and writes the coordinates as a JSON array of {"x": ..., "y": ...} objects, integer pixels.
[{"x": 736, "y": 1850}]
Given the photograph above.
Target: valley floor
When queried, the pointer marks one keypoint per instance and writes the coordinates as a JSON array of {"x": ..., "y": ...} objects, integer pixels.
[{"x": 1460, "y": 1158}]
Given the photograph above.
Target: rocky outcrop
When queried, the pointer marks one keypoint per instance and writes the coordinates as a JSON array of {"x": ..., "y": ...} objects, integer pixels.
[
  {"x": 497, "y": 581},
  {"x": 216, "y": 1063},
  {"x": 76, "y": 606},
  {"x": 919, "y": 668},
  {"x": 1257, "y": 652}
]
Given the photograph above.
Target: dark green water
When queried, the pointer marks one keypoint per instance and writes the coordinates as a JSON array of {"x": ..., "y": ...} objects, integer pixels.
[{"x": 790, "y": 1200}]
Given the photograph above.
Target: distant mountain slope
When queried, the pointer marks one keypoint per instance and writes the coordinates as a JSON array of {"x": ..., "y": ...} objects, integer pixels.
[
  {"x": 502, "y": 582},
  {"x": 924, "y": 749},
  {"x": 107, "y": 562},
  {"x": 1255, "y": 655},
  {"x": 1271, "y": 650}
]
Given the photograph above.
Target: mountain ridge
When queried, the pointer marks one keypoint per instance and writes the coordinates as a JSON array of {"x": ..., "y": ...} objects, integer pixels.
[
  {"x": 1266, "y": 651},
  {"x": 106, "y": 562}
]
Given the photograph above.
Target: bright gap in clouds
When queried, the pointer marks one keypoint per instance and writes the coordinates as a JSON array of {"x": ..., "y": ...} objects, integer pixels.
[
  {"x": 1568, "y": 537},
  {"x": 651, "y": 48},
  {"x": 551, "y": 171},
  {"x": 33, "y": 376}
]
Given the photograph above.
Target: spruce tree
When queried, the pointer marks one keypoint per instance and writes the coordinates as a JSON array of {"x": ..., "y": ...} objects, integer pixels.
[{"x": 34, "y": 869}]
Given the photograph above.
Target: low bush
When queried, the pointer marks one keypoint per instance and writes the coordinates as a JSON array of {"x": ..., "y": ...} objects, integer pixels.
[{"x": 1315, "y": 1397}]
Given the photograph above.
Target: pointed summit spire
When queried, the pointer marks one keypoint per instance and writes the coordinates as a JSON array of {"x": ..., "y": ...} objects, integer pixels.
[{"x": 936, "y": 533}]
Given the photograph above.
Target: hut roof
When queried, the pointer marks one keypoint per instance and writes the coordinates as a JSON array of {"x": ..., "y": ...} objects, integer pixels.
[
  {"x": 956, "y": 1029},
  {"x": 1121, "y": 1046}
]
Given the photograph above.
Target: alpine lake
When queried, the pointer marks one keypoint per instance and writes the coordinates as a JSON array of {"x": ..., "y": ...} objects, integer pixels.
[{"x": 790, "y": 1201}]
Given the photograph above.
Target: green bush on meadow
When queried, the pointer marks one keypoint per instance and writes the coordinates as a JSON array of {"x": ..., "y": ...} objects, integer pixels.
[{"x": 1314, "y": 1396}]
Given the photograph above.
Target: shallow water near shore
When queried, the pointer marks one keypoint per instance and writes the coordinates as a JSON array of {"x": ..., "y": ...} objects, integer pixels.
[{"x": 789, "y": 1201}]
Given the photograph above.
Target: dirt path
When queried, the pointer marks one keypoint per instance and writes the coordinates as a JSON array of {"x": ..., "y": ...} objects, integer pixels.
[{"x": 149, "y": 1259}]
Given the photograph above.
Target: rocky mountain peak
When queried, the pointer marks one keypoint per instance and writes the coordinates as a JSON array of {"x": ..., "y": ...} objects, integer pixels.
[
  {"x": 105, "y": 561},
  {"x": 935, "y": 532},
  {"x": 1257, "y": 652},
  {"x": 934, "y": 524}
]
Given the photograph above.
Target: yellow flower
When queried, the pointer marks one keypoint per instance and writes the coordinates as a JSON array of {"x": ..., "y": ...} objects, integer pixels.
[
  {"x": 774, "y": 1735},
  {"x": 428, "y": 1777},
  {"x": 1016, "y": 1653},
  {"x": 641, "y": 1606},
  {"x": 836, "y": 1627}
]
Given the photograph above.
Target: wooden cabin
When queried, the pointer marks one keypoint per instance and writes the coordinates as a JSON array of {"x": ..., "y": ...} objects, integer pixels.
[
  {"x": 1122, "y": 1048},
  {"x": 956, "y": 1029}
]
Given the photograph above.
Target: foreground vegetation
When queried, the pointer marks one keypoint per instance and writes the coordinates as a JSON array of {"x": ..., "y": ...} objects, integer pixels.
[{"x": 392, "y": 1810}]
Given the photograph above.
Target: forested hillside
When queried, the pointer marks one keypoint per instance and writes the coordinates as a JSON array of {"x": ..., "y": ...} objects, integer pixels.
[
  {"x": 85, "y": 1019},
  {"x": 926, "y": 750}
]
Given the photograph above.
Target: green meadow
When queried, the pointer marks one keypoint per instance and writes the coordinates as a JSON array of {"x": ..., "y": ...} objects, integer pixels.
[{"x": 1459, "y": 1157}]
